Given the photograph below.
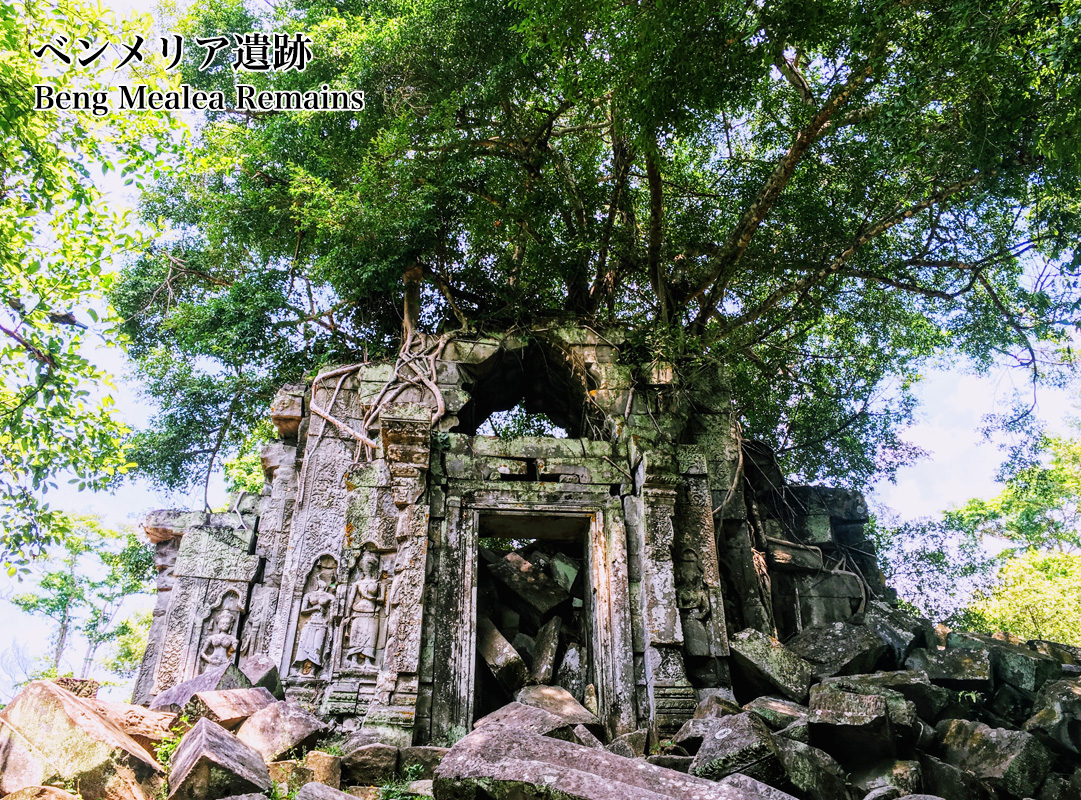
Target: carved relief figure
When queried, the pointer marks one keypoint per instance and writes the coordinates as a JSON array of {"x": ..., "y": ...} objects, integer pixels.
[
  {"x": 693, "y": 601},
  {"x": 220, "y": 644},
  {"x": 315, "y": 615},
  {"x": 365, "y": 598}
]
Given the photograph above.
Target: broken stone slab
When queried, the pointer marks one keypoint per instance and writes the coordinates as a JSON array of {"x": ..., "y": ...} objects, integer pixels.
[
  {"x": 545, "y": 650},
  {"x": 289, "y": 773},
  {"x": 767, "y": 664},
  {"x": 960, "y": 670},
  {"x": 668, "y": 761},
  {"x": 914, "y": 685},
  {"x": 947, "y": 780},
  {"x": 146, "y": 727},
  {"x": 325, "y": 768},
  {"x": 1014, "y": 664},
  {"x": 630, "y": 745},
  {"x": 838, "y": 649},
  {"x": 905, "y": 723},
  {"x": 1057, "y": 715},
  {"x": 280, "y": 727},
  {"x": 585, "y": 737},
  {"x": 571, "y": 672},
  {"x": 525, "y": 645},
  {"x": 811, "y": 771},
  {"x": 690, "y": 736},
  {"x": 716, "y": 704},
  {"x": 904, "y": 777},
  {"x": 47, "y": 734},
  {"x": 423, "y": 760},
  {"x": 499, "y": 761},
  {"x": 320, "y": 791},
  {"x": 262, "y": 671},
  {"x": 210, "y": 762},
  {"x": 900, "y": 631},
  {"x": 502, "y": 659},
  {"x": 848, "y": 725},
  {"x": 798, "y": 731},
  {"x": 1011, "y": 705},
  {"x": 41, "y": 793},
  {"x": 86, "y": 688},
  {"x": 748, "y": 784},
  {"x": 739, "y": 743},
  {"x": 564, "y": 570},
  {"x": 557, "y": 701},
  {"x": 228, "y": 707},
  {"x": 226, "y": 676},
  {"x": 1059, "y": 787},
  {"x": 1063, "y": 653},
  {"x": 527, "y": 718},
  {"x": 373, "y": 763},
  {"x": 536, "y": 594},
  {"x": 1010, "y": 760},
  {"x": 776, "y": 711}
]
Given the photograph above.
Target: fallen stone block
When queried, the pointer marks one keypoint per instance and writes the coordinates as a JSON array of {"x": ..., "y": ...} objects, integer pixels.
[
  {"x": 219, "y": 678},
  {"x": 630, "y": 745},
  {"x": 545, "y": 650},
  {"x": 1010, "y": 760},
  {"x": 716, "y": 705},
  {"x": 768, "y": 665},
  {"x": 502, "y": 659},
  {"x": 947, "y": 780},
  {"x": 325, "y": 768},
  {"x": 1059, "y": 787},
  {"x": 960, "y": 670},
  {"x": 905, "y": 777},
  {"x": 262, "y": 671},
  {"x": 739, "y": 743},
  {"x": 812, "y": 771},
  {"x": 422, "y": 760},
  {"x": 564, "y": 571},
  {"x": 558, "y": 701},
  {"x": 855, "y": 727},
  {"x": 41, "y": 793},
  {"x": 527, "y": 718},
  {"x": 1063, "y": 653},
  {"x": 1057, "y": 715},
  {"x": 48, "y": 735},
  {"x": 571, "y": 672},
  {"x": 1014, "y": 664},
  {"x": 87, "y": 688},
  {"x": 900, "y": 631},
  {"x": 585, "y": 737},
  {"x": 776, "y": 711},
  {"x": 280, "y": 727},
  {"x": 798, "y": 731},
  {"x": 373, "y": 763},
  {"x": 537, "y": 594},
  {"x": 905, "y": 724},
  {"x": 690, "y": 736},
  {"x": 227, "y": 707},
  {"x": 838, "y": 649},
  {"x": 210, "y": 762},
  {"x": 495, "y": 760},
  {"x": 146, "y": 727},
  {"x": 913, "y": 685},
  {"x": 290, "y": 774},
  {"x": 670, "y": 761},
  {"x": 1011, "y": 705},
  {"x": 319, "y": 791},
  {"x": 745, "y": 783}
]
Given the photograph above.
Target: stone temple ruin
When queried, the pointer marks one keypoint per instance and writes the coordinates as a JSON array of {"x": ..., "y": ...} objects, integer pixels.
[
  {"x": 641, "y": 609},
  {"x": 415, "y": 587}
]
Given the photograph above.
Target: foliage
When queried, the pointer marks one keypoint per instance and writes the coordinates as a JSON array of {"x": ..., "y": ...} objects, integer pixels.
[
  {"x": 398, "y": 788},
  {"x": 82, "y": 586},
  {"x": 244, "y": 471},
  {"x": 1037, "y": 596},
  {"x": 129, "y": 644},
  {"x": 821, "y": 197},
  {"x": 57, "y": 236}
]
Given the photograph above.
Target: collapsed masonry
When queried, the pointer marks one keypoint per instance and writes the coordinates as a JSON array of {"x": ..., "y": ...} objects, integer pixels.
[{"x": 394, "y": 551}]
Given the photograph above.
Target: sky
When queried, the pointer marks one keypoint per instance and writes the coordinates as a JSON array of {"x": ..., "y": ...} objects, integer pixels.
[{"x": 960, "y": 465}]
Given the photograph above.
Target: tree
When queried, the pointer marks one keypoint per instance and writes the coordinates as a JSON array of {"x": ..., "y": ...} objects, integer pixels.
[
  {"x": 57, "y": 235},
  {"x": 83, "y": 586},
  {"x": 821, "y": 198}
]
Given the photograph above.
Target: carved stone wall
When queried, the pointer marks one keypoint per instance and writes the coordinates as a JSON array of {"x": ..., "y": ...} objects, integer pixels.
[{"x": 358, "y": 568}]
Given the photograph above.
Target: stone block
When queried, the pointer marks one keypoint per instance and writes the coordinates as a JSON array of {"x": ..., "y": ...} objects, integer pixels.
[
  {"x": 739, "y": 743},
  {"x": 320, "y": 791},
  {"x": 960, "y": 670},
  {"x": 290, "y": 774},
  {"x": 325, "y": 768},
  {"x": 571, "y": 672},
  {"x": 900, "y": 631},
  {"x": 1012, "y": 705},
  {"x": 716, "y": 704},
  {"x": 146, "y": 727},
  {"x": 769, "y": 666},
  {"x": 557, "y": 701},
  {"x": 812, "y": 772},
  {"x": 776, "y": 711},
  {"x": 948, "y": 781},
  {"x": 745, "y": 783},
  {"x": 373, "y": 763},
  {"x": 502, "y": 659},
  {"x": 1063, "y": 653},
  {"x": 280, "y": 727},
  {"x": 41, "y": 793},
  {"x": 838, "y": 649},
  {"x": 422, "y": 760},
  {"x": 499, "y": 761},
  {"x": 791, "y": 556},
  {"x": 855, "y": 727},
  {"x": 905, "y": 777},
  {"x": 678, "y": 763},
  {"x": 226, "y": 676},
  {"x": 545, "y": 650},
  {"x": 690, "y": 736},
  {"x": 913, "y": 685},
  {"x": 227, "y": 707},
  {"x": 630, "y": 745},
  {"x": 798, "y": 730},
  {"x": 47, "y": 734},
  {"x": 1059, "y": 787},
  {"x": 535, "y": 594},
  {"x": 210, "y": 763},
  {"x": 527, "y": 718},
  {"x": 262, "y": 671},
  {"x": 1016, "y": 665},
  {"x": 1057, "y": 715},
  {"x": 1011, "y": 760}
]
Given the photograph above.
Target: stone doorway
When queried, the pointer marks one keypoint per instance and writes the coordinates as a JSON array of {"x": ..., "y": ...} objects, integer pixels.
[{"x": 533, "y": 622}]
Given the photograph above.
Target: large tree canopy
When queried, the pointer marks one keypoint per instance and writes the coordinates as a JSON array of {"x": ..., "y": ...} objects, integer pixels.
[{"x": 821, "y": 196}]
